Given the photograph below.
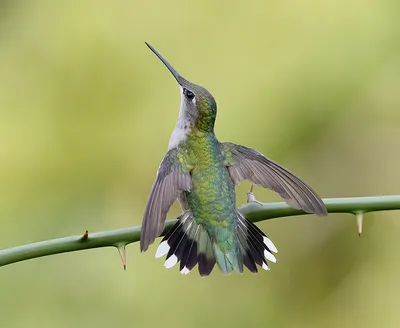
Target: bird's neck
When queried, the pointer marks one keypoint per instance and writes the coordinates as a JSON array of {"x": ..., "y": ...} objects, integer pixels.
[{"x": 189, "y": 129}]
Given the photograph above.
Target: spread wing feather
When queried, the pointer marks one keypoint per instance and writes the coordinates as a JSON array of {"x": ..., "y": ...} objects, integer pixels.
[
  {"x": 247, "y": 164},
  {"x": 173, "y": 176}
]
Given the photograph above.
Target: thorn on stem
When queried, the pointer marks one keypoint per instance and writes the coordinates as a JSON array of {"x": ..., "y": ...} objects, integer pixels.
[
  {"x": 250, "y": 196},
  {"x": 85, "y": 236},
  {"x": 359, "y": 219},
  {"x": 122, "y": 251}
]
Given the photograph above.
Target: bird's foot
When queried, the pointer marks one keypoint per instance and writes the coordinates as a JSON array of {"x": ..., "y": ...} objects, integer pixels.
[{"x": 250, "y": 196}]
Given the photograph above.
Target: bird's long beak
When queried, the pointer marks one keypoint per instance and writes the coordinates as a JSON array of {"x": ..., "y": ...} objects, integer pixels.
[{"x": 171, "y": 69}]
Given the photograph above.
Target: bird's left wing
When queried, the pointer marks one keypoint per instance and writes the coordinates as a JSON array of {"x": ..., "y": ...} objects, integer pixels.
[
  {"x": 173, "y": 176},
  {"x": 247, "y": 164}
]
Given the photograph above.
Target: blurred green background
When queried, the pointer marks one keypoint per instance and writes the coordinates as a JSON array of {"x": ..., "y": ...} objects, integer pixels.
[{"x": 86, "y": 114}]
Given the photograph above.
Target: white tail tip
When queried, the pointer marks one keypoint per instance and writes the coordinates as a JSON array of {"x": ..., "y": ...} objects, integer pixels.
[
  {"x": 265, "y": 267},
  {"x": 185, "y": 270},
  {"x": 270, "y": 244},
  {"x": 162, "y": 249},
  {"x": 171, "y": 261},
  {"x": 269, "y": 256}
]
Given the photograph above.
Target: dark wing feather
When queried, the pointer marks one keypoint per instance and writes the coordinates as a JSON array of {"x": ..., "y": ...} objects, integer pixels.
[
  {"x": 172, "y": 177},
  {"x": 247, "y": 164}
]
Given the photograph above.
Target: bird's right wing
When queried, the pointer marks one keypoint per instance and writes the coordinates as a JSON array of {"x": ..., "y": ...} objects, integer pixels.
[
  {"x": 248, "y": 164},
  {"x": 173, "y": 176}
]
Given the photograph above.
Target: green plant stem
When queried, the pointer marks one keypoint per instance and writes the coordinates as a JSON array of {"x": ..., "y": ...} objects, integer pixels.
[{"x": 253, "y": 211}]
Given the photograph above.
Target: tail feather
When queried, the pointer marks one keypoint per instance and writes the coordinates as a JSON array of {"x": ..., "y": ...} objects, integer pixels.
[
  {"x": 248, "y": 259},
  {"x": 222, "y": 260},
  {"x": 205, "y": 254},
  {"x": 179, "y": 241},
  {"x": 190, "y": 244},
  {"x": 189, "y": 260},
  {"x": 250, "y": 251},
  {"x": 258, "y": 247}
]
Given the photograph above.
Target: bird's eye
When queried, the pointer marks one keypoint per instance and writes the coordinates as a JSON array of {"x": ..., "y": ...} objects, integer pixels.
[{"x": 189, "y": 94}]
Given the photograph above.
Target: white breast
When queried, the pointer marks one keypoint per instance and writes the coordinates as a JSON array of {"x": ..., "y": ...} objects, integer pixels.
[
  {"x": 182, "y": 128},
  {"x": 179, "y": 134}
]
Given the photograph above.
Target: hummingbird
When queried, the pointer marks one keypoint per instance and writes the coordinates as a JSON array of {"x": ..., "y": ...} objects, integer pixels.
[{"x": 202, "y": 173}]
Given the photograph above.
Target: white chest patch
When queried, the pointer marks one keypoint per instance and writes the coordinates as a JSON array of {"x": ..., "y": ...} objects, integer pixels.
[
  {"x": 179, "y": 134},
  {"x": 182, "y": 128}
]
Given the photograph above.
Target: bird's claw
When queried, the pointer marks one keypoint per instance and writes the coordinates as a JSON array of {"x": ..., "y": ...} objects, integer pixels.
[{"x": 251, "y": 198}]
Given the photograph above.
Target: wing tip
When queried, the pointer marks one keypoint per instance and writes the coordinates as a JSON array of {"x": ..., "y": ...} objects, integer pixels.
[
  {"x": 145, "y": 242},
  {"x": 320, "y": 208},
  {"x": 317, "y": 210},
  {"x": 143, "y": 247},
  {"x": 323, "y": 212}
]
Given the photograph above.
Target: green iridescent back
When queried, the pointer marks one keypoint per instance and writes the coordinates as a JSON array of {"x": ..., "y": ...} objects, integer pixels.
[{"x": 212, "y": 199}]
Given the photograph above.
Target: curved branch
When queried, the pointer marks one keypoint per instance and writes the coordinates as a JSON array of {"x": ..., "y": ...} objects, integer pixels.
[{"x": 121, "y": 237}]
